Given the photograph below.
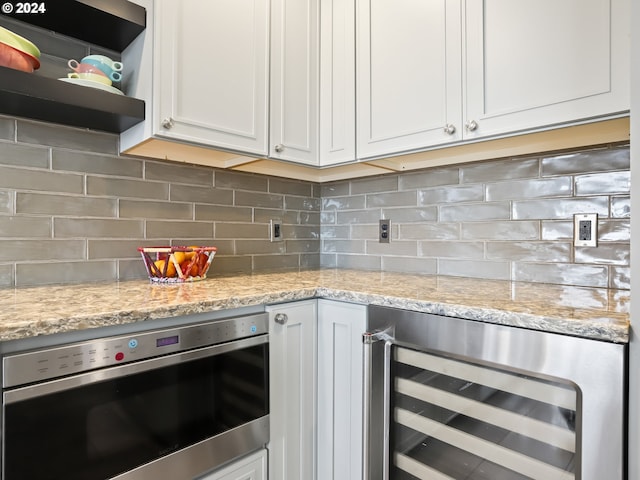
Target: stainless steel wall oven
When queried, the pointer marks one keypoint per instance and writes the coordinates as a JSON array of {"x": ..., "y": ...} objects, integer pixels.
[
  {"x": 172, "y": 403},
  {"x": 458, "y": 399}
]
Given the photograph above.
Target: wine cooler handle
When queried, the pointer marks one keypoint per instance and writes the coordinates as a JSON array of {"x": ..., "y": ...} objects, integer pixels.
[{"x": 371, "y": 416}]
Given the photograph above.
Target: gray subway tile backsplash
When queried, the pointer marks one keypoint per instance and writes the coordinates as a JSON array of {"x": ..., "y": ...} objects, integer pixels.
[
  {"x": 78, "y": 139},
  {"x": 551, "y": 252},
  {"x": 81, "y": 210},
  {"x": 621, "y": 207},
  {"x": 7, "y": 128},
  {"x": 68, "y": 205},
  {"x": 95, "y": 163},
  {"x": 451, "y": 194},
  {"x": 354, "y": 202},
  {"x": 474, "y": 212},
  {"x": 178, "y": 173},
  {"x": 124, "y": 187},
  {"x": 596, "y": 160},
  {"x": 25, "y": 227},
  {"x": 395, "y": 199},
  {"x": 263, "y": 200},
  {"x": 559, "y": 208},
  {"x": 176, "y": 228},
  {"x": 200, "y": 194},
  {"x": 533, "y": 188},
  {"x": 432, "y": 178},
  {"x": 501, "y": 230},
  {"x": 564, "y": 274},
  {"x": 387, "y": 183},
  {"x": 474, "y": 268},
  {"x": 599, "y": 183},
  {"x": 151, "y": 209},
  {"x": 64, "y": 227},
  {"x": 24, "y": 155},
  {"x": 500, "y": 170},
  {"x": 41, "y": 180}
]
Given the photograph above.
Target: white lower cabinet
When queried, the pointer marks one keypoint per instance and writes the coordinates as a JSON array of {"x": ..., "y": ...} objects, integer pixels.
[
  {"x": 251, "y": 467},
  {"x": 292, "y": 390},
  {"x": 315, "y": 369},
  {"x": 340, "y": 377}
]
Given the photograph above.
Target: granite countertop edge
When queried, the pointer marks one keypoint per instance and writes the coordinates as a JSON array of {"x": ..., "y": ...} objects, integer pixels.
[
  {"x": 595, "y": 330},
  {"x": 59, "y": 309}
]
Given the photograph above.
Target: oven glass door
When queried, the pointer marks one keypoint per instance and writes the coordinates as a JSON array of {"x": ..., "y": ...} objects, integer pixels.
[
  {"x": 453, "y": 419},
  {"x": 99, "y": 429}
]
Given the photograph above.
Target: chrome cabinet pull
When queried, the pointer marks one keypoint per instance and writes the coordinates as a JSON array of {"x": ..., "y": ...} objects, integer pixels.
[
  {"x": 471, "y": 126},
  {"x": 167, "y": 123},
  {"x": 281, "y": 318},
  {"x": 450, "y": 128},
  {"x": 279, "y": 148}
]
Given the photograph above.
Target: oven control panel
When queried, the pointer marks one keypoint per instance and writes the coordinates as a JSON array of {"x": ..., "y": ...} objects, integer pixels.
[{"x": 34, "y": 366}]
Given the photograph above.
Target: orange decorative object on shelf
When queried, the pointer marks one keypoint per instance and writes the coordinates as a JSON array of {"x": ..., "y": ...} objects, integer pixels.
[{"x": 177, "y": 264}]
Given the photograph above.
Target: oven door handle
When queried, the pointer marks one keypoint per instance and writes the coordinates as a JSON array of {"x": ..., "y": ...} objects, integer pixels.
[
  {"x": 377, "y": 404},
  {"x": 110, "y": 373}
]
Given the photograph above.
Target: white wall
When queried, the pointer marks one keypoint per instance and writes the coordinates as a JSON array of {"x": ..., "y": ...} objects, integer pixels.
[{"x": 634, "y": 364}]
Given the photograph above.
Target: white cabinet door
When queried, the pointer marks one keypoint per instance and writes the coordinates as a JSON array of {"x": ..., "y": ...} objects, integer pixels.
[
  {"x": 409, "y": 75},
  {"x": 340, "y": 382},
  {"x": 337, "y": 82},
  {"x": 294, "y": 80},
  {"x": 292, "y": 386},
  {"x": 210, "y": 73},
  {"x": 538, "y": 63},
  {"x": 312, "y": 111},
  {"x": 252, "y": 467}
]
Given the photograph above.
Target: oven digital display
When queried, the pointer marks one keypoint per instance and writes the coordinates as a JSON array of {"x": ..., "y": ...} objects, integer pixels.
[{"x": 162, "y": 342}]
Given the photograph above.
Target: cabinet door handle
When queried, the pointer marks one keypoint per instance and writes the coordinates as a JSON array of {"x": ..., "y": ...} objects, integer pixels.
[
  {"x": 450, "y": 128},
  {"x": 279, "y": 148},
  {"x": 167, "y": 123},
  {"x": 471, "y": 126},
  {"x": 281, "y": 318}
]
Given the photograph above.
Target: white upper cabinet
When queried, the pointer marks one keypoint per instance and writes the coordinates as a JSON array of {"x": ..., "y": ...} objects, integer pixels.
[
  {"x": 229, "y": 81},
  {"x": 337, "y": 81},
  {"x": 209, "y": 82},
  {"x": 409, "y": 75},
  {"x": 536, "y": 64},
  {"x": 325, "y": 83},
  {"x": 312, "y": 111},
  {"x": 294, "y": 80},
  {"x": 438, "y": 72}
]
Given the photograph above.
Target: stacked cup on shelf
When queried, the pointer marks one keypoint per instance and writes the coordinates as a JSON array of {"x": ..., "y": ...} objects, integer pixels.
[{"x": 96, "y": 68}]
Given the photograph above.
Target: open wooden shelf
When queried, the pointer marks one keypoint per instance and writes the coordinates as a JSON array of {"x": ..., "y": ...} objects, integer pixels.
[
  {"x": 40, "y": 98},
  {"x": 111, "y": 24}
]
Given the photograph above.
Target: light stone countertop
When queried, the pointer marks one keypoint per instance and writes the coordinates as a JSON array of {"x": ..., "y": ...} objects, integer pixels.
[{"x": 585, "y": 312}]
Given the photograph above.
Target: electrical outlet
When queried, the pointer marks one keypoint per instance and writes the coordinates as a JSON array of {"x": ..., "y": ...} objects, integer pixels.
[
  {"x": 585, "y": 230},
  {"x": 384, "y": 231},
  {"x": 276, "y": 230}
]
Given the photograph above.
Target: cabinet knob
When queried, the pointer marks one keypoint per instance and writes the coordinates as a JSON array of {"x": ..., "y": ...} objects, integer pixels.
[
  {"x": 471, "y": 126},
  {"x": 450, "y": 128},
  {"x": 279, "y": 148},
  {"x": 167, "y": 123},
  {"x": 281, "y": 318}
]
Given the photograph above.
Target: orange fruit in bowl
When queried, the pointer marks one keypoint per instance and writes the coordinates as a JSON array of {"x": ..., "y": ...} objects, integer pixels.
[
  {"x": 180, "y": 257},
  {"x": 171, "y": 269},
  {"x": 190, "y": 255},
  {"x": 193, "y": 271}
]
